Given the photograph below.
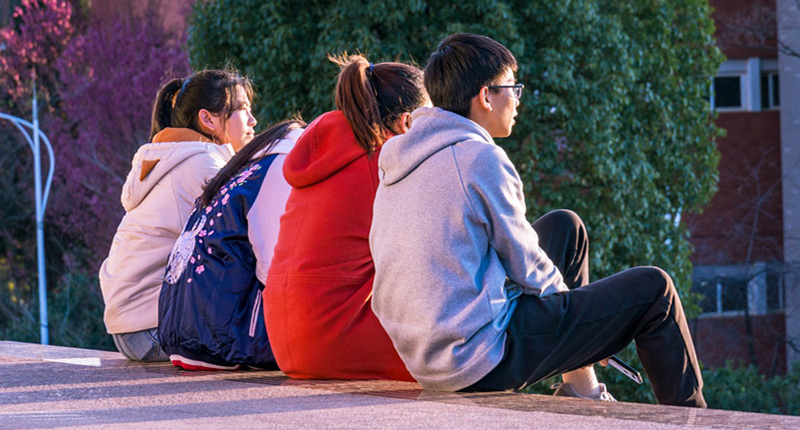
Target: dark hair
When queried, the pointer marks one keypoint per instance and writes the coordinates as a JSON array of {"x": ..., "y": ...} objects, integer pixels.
[
  {"x": 460, "y": 66},
  {"x": 263, "y": 141},
  {"x": 179, "y": 100},
  {"x": 372, "y": 97}
]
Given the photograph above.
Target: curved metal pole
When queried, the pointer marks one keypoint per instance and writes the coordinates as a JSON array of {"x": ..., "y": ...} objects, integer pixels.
[{"x": 41, "y": 202}]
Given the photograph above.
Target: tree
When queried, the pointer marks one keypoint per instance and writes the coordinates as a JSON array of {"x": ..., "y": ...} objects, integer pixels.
[
  {"x": 39, "y": 32},
  {"x": 101, "y": 82},
  {"x": 615, "y": 121}
]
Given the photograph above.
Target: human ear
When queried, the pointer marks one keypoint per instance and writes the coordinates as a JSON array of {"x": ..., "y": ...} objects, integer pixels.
[
  {"x": 403, "y": 123},
  {"x": 484, "y": 98},
  {"x": 209, "y": 121}
]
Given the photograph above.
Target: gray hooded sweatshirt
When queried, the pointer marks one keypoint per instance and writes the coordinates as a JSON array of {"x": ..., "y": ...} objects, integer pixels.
[{"x": 452, "y": 249}]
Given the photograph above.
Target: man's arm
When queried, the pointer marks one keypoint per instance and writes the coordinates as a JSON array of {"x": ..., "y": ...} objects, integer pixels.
[{"x": 496, "y": 196}]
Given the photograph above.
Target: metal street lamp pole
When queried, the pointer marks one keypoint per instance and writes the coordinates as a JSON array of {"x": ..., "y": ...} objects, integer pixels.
[{"x": 41, "y": 201}]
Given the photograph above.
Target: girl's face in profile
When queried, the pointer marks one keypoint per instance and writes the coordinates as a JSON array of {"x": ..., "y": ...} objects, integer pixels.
[{"x": 238, "y": 128}]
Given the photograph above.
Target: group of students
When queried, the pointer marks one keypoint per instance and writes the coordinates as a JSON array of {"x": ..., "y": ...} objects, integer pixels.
[{"x": 385, "y": 240}]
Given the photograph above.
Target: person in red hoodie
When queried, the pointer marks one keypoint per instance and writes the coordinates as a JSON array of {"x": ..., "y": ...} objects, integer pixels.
[{"x": 317, "y": 298}]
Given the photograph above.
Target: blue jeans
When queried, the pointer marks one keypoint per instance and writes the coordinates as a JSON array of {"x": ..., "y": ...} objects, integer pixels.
[{"x": 140, "y": 345}]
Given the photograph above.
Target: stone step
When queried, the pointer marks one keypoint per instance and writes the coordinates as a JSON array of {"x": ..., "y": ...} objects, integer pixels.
[{"x": 57, "y": 387}]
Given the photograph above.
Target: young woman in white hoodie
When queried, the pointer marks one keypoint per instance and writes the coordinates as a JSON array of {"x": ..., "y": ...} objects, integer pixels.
[{"x": 198, "y": 123}]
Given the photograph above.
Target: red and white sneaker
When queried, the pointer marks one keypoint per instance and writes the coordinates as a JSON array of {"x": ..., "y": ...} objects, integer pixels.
[{"x": 189, "y": 364}]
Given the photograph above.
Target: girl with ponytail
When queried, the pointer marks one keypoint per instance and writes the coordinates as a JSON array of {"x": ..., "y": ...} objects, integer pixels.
[
  {"x": 317, "y": 297},
  {"x": 198, "y": 124},
  {"x": 210, "y": 313}
]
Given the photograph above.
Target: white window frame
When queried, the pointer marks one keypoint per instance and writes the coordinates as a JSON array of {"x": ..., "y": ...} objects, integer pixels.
[
  {"x": 756, "y": 286},
  {"x": 749, "y": 72},
  {"x": 769, "y": 67}
]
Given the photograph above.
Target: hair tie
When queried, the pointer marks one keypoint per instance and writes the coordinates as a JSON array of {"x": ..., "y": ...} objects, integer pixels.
[
  {"x": 371, "y": 68},
  {"x": 183, "y": 85}
]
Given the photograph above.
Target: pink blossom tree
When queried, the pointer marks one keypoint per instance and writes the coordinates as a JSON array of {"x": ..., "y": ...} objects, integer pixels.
[
  {"x": 96, "y": 84},
  {"x": 43, "y": 29},
  {"x": 109, "y": 77}
]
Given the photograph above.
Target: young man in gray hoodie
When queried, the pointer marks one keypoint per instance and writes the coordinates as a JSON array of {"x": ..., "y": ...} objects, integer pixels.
[{"x": 471, "y": 294}]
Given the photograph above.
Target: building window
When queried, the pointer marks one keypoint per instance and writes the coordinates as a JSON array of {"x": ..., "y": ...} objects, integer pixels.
[
  {"x": 722, "y": 295},
  {"x": 734, "y": 288},
  {"x": 746, "y": 84},
  {"x": 728, "y": 92},
  {"x": 775, "y": 291},
  {"x": 770, "y": 94}
]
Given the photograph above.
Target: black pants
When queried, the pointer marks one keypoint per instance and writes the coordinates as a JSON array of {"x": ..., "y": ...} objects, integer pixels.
[{"x": 551, "y": 335}]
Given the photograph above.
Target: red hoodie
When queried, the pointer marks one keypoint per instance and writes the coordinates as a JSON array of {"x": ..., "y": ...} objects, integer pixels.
[{"x": 317, "y": 299}]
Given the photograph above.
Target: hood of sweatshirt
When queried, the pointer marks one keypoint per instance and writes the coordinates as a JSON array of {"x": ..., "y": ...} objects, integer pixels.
[
  {"x": 432, "y": 129},
  {"x": 153, "y": 161},
  {"x": 327, "y": 146}
]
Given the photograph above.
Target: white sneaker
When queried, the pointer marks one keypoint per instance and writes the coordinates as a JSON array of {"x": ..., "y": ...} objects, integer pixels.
[{"x": 566, "y": 389}]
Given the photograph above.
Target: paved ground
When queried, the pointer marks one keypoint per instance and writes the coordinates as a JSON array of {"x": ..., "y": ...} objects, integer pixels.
[{"x": 55, "y": 387}]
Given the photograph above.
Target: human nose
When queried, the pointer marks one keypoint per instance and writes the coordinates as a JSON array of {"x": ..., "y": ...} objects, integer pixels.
[{"x": 251, "y": 120}]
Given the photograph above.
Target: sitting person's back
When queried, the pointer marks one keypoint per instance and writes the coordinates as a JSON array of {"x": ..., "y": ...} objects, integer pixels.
[
  {"x": 317, "y": 297},
  {"x": 473, "y": 296},
  {"x": 198, "y": 124},
  {"x": 210, "y": 313}
]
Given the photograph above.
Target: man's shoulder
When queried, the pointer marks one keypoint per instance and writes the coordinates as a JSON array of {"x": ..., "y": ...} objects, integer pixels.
[{"x": 479, "y": 153}]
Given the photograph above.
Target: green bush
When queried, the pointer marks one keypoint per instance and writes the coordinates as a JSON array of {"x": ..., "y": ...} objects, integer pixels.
[
  {"x": 614, "y": 122},
  {"x": 75, "y": 311},
  {"x": 735, "y": 387},
  {"x": 742, "y": 388}
]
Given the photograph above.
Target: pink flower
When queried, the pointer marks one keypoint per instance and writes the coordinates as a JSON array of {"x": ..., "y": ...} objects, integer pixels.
[
  {"x": 189, "y": 281},
  {"x": 209, "y": 250},
  {"x": 200, "y": 269},
  {"x": 192, "y": 260}
]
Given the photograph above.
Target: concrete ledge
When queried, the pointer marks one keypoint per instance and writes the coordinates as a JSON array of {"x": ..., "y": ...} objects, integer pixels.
[{"x": 57, "y": 387}]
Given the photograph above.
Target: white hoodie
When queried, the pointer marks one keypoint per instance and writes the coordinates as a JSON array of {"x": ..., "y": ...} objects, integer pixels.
[{"x": 165, "y": 179}]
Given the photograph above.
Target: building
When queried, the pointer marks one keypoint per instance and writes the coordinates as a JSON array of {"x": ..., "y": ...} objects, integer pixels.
[{"x": 747, "y": 242}]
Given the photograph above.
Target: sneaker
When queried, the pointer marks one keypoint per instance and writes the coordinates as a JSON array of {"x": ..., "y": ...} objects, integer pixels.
[
  {"x": 566, "y": 389},
  {"x": 189, "y": 364}
]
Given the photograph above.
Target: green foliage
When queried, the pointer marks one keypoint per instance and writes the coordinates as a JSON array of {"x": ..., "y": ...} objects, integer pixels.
[
  {"x": 741, "y": 388},
  {"x": 614, "y": 123},
  {"x": 733, "y": 387},
  {"x": 75, "y": 312}
]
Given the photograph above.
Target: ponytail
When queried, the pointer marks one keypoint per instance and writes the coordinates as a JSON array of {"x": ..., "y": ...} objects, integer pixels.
[
  {"x": 373, "y": 96},
  {"x": 162, "y": 108},
  {"x": 355, "y": 97},
  {"x": 179, "y": 101},
  {"x": 264, "y": 141}
]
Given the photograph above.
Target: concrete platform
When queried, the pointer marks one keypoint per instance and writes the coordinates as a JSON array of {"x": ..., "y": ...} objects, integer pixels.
[{"x": 55, "y": 387}]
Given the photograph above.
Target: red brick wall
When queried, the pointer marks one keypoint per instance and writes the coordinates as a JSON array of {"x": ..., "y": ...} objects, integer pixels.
[
  {"x": 745, "y": 215},
  {"x": 734, "y": 17},
  {"x": 717, "y": 339}
]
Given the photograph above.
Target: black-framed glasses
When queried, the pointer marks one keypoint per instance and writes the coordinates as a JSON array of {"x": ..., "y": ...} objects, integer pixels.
[{"x": 516, "y": 87}]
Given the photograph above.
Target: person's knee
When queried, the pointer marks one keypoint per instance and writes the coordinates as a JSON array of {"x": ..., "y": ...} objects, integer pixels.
[
  {"x": 567, "y": 216},
  {"x": 563, "y": 218},
  {"x": 659, "y": 280}
]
